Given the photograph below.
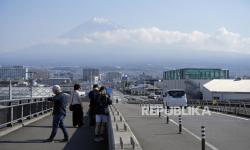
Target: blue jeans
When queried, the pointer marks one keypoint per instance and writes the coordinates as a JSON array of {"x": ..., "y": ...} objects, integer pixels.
[{"x": 58, "y": 122}]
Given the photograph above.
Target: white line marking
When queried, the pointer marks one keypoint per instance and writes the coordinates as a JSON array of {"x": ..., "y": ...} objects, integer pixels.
[
  {"x": 194, "y": 135},
  {"x": 230, "y": 115}
]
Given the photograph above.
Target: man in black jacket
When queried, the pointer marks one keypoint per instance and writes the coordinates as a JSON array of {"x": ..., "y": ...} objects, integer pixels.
[
  {"x": 59, "y": 113},
  {"x": 93, "y": 96}
]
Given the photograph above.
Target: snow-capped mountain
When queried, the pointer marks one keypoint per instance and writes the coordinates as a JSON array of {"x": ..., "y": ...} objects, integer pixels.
[
  {"x": 99, "y": 41},
  {"x": 91, "y": 26}
]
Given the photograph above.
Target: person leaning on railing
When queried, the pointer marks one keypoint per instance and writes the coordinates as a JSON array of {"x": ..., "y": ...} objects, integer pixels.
[{"x": 60, "y": 101}]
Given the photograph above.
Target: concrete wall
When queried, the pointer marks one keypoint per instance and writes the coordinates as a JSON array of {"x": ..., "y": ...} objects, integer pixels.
[
  {"x": 207, "y": 95},
  {"x": 174, "y": 84},
  {"x": 180, "y": 84}
]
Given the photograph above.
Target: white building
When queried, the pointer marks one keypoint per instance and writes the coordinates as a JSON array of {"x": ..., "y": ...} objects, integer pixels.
[
  {"x": 14, "y": 73},
  {"x": 226, "y": 89}
]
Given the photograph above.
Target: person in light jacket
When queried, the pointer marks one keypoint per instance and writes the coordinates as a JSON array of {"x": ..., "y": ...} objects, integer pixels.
[{"x": 77, "y": 108}]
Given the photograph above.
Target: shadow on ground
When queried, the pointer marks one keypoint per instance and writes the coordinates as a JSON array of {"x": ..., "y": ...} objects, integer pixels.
[
  {"x": 36, "y": 126},
  {"x": 31, "y": 137},
  {"x": 25, "y": 141},
  {"x": 83, "y": 138}
]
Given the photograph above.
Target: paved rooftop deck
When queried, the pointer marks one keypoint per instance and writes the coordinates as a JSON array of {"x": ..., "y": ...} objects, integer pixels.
[{"x": 31, "y": 137}]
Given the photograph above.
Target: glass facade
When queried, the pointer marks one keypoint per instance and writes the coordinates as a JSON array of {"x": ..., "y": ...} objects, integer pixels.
[
  {"x": 196, "y": 73},
  {"x": 13, "y": 73}
]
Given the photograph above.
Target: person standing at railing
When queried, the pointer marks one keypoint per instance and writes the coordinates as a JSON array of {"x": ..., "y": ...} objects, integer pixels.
[
  {"x": 101, "y": 111},
  {"x": 60, "y": 101},
  {"x": 93, "y": 95},
  {"x": 76, "y": 107}
]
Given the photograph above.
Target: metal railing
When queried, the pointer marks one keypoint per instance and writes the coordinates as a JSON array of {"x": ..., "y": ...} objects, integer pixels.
[
  {"x": 237, "y": 107},
  {"x": 18, "y": 110},
  {"x": 14, "y": 92},
  {"x": 134, "y": 100}
]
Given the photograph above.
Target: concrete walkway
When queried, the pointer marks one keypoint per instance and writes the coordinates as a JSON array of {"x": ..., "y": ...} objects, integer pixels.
[{"x": 31, "y": 137}]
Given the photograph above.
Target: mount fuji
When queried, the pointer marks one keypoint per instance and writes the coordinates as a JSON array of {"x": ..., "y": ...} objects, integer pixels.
[
  {"x": 91, "y": 26},
  {"x": 91, "y": 43}
]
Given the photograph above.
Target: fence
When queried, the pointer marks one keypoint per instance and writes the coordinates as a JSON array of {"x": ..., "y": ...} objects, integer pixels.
[
  {"x": 237, "y": 107},
  {"x": 18, "y": 110},
  {"x": 24, "y": 92}
]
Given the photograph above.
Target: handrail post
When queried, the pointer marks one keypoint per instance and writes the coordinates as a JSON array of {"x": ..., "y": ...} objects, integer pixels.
[
  {"x": 121, "y": 142},
  {"x": 31, "y": 91},
  {"x": 132, "y": 142},
  {"x": 245, "y": 109},
  {"x": 30, "y": 101},
  {"x": 11, "y": 114},
  {"x": 10, "y": 91},
  {"x": 125, "y": 127},
  {"x": 42, "y": 106},
  {"x": 117, "y": 127},
  {"x": 22, "y": 111}
]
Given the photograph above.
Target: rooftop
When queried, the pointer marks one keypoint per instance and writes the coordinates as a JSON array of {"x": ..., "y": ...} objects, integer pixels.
[{"x": 228, "y": 85}]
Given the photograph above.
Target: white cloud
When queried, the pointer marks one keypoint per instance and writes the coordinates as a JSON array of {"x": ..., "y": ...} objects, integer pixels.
[{"x": 221, "y": 40}]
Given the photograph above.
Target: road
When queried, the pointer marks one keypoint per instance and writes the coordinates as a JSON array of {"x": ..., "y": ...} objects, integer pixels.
[{"x": 223, "y": 132}]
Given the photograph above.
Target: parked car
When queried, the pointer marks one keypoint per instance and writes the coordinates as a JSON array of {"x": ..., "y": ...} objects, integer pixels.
[
  {"x": 175, "y": 98},
  {"x": 154, "y": 96}
]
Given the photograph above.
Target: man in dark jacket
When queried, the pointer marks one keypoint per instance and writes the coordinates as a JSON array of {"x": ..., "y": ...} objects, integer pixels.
[
  {"x": 59, "y": 113},
  {"x": 93, "y": 96}
]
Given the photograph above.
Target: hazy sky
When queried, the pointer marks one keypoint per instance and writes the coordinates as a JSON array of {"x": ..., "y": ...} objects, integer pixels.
[
  {"x": 24, "y": 22},
  {"x": 150, "y": 25}
]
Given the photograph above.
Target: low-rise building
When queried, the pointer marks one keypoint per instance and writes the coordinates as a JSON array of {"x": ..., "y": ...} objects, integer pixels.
[
  {"x": 226, "y": 90},
  {"x": 57, "y": 81}
]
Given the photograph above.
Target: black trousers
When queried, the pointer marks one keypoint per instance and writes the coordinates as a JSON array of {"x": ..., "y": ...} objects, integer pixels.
[
  {"x": 91, "y": 117},
  {"x": 77, "y": 115}
]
